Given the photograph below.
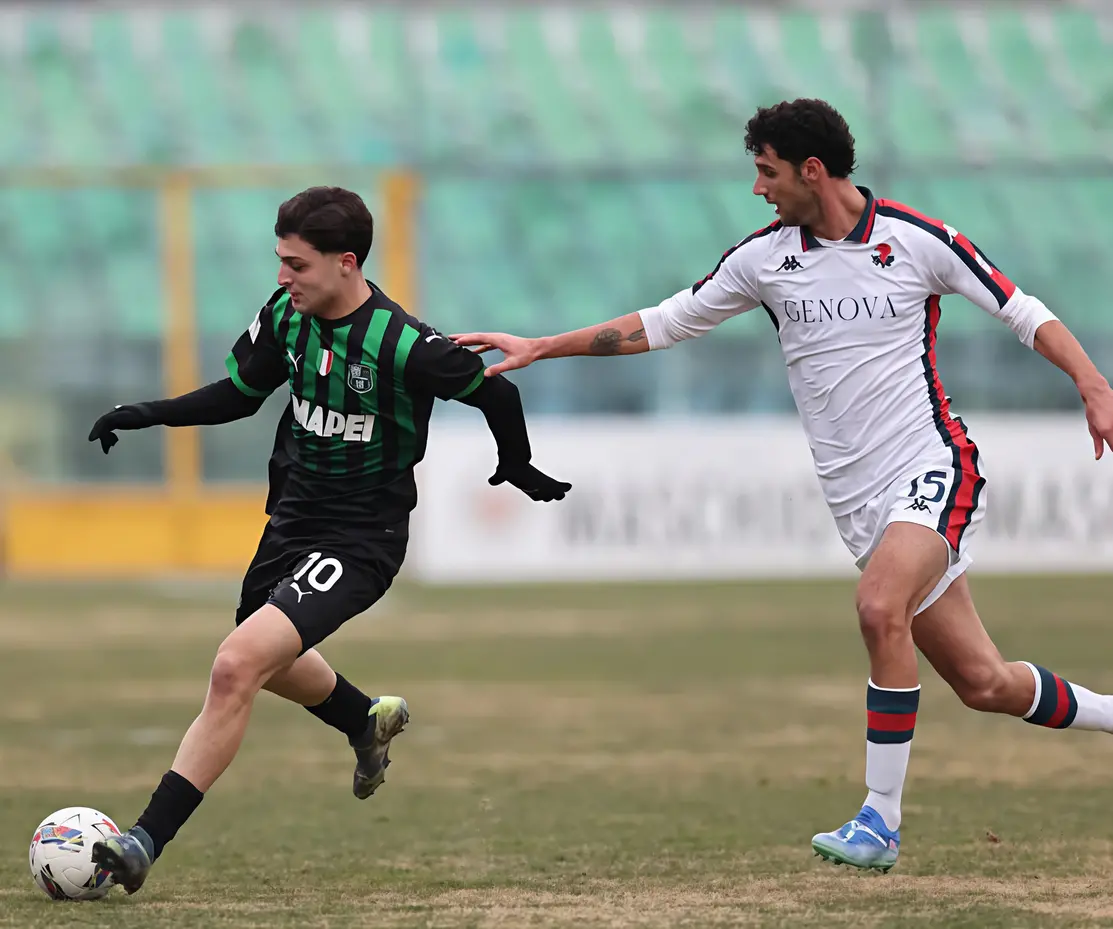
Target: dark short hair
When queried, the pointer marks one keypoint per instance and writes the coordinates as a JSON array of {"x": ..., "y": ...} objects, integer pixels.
[
  {"x": 803, "y": 129},
  {"x": 331, "y": 219}
]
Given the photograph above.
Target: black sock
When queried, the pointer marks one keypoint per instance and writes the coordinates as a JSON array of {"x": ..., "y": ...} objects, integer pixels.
[
  {"x": 346, "y": 709},
  {"x": 172, "y": 803}
]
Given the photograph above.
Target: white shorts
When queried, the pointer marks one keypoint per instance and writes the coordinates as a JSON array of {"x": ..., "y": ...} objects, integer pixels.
[{"x": 945, "y": 492}]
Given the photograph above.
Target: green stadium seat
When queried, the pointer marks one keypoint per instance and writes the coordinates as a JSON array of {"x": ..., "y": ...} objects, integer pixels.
[
  {"x": 126, "y": 97},
  {"x": 805, "y": 39},
  {"x": 58, "y": 82},
  {"x": 627, "y": 110},
  {"x": 983, "y": 128},
  {"x": 584, "y": 97},
  {"x": 269, "y": 108},
  {"x": 1053, "y": 128},
  {"x": 200, "y": 99},
  {"x": 553, "y": 127}
]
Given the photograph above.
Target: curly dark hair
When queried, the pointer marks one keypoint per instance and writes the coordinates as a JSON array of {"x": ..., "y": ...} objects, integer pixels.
[
  {"x": 331, "y": 219},
  {"x": 803, "y": 129}
]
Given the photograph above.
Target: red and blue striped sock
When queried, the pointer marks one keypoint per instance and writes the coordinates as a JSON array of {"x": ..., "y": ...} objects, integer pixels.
[
  {"x": 1059, "y": 704},
  {"x": 1055, "y": 704},
  {"x": 891, "y": 720}
]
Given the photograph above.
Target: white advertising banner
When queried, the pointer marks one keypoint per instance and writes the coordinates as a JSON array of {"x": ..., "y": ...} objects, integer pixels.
[{"x": 730, "y": 498}]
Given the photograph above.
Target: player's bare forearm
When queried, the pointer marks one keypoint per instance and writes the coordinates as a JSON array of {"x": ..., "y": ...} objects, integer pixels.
[
  {"x": 622, "y": 336},
  {"x": 1059, "y": 346},
  {"x": 1055, "y": 342}
]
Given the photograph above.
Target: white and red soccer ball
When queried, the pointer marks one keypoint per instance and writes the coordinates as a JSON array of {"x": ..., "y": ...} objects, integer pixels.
[{"x": 62, "y": 854}]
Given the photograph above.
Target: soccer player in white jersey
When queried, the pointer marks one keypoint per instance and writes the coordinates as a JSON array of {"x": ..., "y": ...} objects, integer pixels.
[{"x": 851, "y": 284}]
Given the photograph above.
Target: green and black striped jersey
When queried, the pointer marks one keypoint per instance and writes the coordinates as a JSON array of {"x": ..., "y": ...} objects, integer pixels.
[{"x": 361, "y": 387}]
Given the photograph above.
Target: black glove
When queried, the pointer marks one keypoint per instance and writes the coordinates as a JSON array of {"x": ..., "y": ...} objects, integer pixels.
[
  {"x": 530, "y": 481},
  {"x": 136, "y": 416}
]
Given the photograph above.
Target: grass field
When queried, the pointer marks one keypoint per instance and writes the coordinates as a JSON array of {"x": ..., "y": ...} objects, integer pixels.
[{"x": 578, "y": 756}]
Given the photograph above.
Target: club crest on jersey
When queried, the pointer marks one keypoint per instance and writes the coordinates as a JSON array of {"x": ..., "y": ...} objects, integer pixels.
[
  {"x": 324, "y": 361},
  {"x": 359, "y": 378},
  {"x": 883, "y": 255}
]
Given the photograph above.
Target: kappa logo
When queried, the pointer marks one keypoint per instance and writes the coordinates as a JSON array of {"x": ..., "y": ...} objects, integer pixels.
[
  {"x": 919, "y": 505},
  {"x": 360, "y": 378},
  {"x": 883, "y": 255},
  {"x": 790, "y": 264}
]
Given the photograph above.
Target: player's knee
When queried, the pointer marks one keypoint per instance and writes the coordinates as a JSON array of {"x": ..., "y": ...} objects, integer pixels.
[
  {"x": 881, "y": 619},
  {"x": 984, "y": 687},
  {"x": 233, "y": 675}
]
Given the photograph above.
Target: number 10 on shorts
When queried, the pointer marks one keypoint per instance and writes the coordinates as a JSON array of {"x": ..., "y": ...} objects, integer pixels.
[{"x": 326, "y": 572}]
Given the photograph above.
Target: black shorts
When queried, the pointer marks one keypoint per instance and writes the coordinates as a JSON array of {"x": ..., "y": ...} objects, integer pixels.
[{"x": 321, "y": 586}]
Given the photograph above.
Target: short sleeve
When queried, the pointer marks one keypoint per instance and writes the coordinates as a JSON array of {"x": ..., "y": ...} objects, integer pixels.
[
  {"x": 439, "y": 366},
  {"x": 954, "y": 265},
  {"x": 731, "y": 288},
  {"x": 255, "y": 363}
]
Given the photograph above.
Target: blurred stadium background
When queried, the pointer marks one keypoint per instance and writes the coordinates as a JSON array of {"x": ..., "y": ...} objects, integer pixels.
[
  {"x": 532, "y": 167},
  {"x": 626, "y": 754}
]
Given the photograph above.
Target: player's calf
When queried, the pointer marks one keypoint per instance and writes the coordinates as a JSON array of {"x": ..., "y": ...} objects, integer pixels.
[
  {"x": 953, "y": 639},
  {"x": 995, "y": 687},
  {"x": 250, "y": 655},
  {"x": 1036, "y": 695}
]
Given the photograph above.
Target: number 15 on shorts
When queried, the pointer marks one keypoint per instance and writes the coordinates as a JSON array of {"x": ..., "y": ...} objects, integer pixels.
[{"x": 928, "y": 490}]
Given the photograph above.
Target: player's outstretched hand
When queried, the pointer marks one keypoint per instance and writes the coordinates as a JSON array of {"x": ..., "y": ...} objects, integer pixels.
[
  {"x": 123, "y": 417},
  {"x": 518, "y": 352},
  {"x": 1099, "y": 417},
  {"x": 530, "y": 481}
]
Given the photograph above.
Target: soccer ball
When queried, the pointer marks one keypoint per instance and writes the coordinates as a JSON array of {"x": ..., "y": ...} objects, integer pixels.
[{"x": 62, "y": 854}]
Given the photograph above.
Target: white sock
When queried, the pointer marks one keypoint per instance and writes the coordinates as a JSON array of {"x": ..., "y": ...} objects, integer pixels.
[
  {"x": 886, "y": 768},
  {"x": 891, "y": 715},
  {"x": 1095, "y": 711}
]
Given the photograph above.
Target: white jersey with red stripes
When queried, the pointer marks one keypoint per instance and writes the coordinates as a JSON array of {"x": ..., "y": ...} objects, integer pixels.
[{"x": 856, "y": 320}]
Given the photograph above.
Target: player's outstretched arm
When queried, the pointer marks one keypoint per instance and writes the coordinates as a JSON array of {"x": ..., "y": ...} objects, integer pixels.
[
  {"x": 957, "y": 266},
  {"x": 501, "y": 404},
  {"x": 219, "y": 402},
  {"x": 622, "y": 336},
  {"x": 1058, "y": 345}
]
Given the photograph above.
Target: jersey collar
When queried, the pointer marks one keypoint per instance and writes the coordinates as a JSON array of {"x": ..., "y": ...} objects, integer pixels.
[
  {"x": 860, "y": 233},
  {"x": 348, "y": 318}
]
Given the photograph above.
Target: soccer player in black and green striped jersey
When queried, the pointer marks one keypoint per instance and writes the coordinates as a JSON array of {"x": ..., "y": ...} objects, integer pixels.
[{"x": 363, "y": 375}]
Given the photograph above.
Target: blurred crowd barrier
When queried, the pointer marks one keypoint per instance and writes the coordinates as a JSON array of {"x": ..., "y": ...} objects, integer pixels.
[{"x": 531, "y": 167}]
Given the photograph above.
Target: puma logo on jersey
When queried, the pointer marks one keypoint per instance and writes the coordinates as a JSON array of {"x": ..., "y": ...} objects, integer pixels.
[
  {"x": 355, "y": 427},
  {"x": 293, "y": 359},
  {"x": 301, "y": 593}
]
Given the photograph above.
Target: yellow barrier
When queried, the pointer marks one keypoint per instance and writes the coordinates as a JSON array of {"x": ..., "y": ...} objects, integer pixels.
[{"x": 131, "y": 533}]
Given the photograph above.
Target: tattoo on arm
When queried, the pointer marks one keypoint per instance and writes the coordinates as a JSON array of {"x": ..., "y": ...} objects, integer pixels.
[{"x": 607, "y": 341}]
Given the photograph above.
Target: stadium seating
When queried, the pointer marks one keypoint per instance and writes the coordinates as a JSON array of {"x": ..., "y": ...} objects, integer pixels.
[{"x": 577, "y": 162}]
